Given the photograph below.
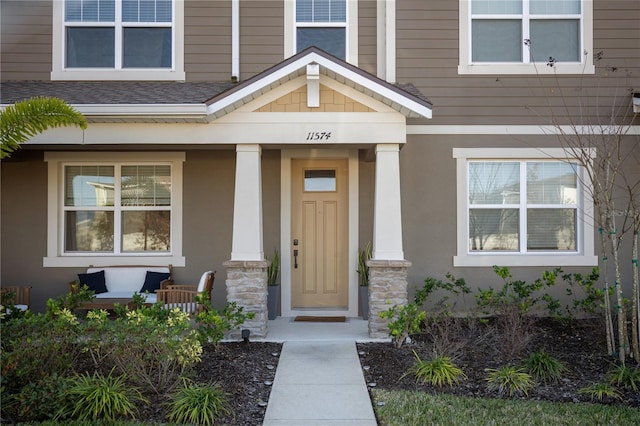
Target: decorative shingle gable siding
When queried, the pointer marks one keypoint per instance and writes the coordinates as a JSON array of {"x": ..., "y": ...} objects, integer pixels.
[{"x": 330, "y": 101}]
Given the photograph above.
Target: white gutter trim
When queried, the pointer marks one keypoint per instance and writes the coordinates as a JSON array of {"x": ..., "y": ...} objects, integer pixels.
[
  {"x": 235, "y": 40},
  {"x": 426, "y": 129},
  {"x": 141, "y": 109},
  {"x": 327, "y": 63},
  {"x": 381, "y": 37}
]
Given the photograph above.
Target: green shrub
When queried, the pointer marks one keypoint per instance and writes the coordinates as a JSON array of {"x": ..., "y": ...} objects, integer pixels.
[
  {"x": 37, "y": 346},
  {"x": 154, "y": 353},
  {"x": 512, "y": 302},
  {"x": 198, "y": 404},
  {"x": 600, "y": 391},
  {"x": 99, "y": 397},
  {"x": 408, "y": 319},
  {"x": 625, "y": 377},
  {"x": 436, "y": 371},
  {"x": 38, "y": 400},
  {"x": 212, "y": 324},
  {"x": 543, "y": 367},
  {"x": 509, "y": 379}
]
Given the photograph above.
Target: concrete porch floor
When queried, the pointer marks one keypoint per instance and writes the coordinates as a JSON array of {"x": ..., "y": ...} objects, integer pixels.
[{"x": 285, "y": 329}]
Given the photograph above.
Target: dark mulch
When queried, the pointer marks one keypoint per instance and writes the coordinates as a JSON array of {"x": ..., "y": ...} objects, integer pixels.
[
  {"x": 580, "y": 345},
  {"x": 243, "y": 370}
]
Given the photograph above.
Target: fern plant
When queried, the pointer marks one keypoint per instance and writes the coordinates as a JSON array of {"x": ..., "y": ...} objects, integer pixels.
[{"x": 436, "y": 371}]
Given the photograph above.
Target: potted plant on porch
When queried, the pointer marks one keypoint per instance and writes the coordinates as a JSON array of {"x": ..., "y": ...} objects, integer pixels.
[
  {"x": 363, "y": 279},
  {"x": 273, "y": 289}
]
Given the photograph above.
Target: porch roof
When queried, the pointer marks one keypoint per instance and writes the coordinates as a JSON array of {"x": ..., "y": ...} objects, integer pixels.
[{"x": 141, "y": 101}]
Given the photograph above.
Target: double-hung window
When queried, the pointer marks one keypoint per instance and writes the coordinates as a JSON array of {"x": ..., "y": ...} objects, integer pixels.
[
  {"x": 124, "y": 208},
  {"x": 525, "y": 36},
  {"x": 118, "y": 37},
  {"x": 522, "y": 211},
  {"x": 322, "y": 23},
  {"x": 330, "y": 25}
]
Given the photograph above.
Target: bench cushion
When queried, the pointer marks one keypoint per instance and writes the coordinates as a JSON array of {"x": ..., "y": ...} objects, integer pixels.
[
  {"x": 94, "y": 280},
  {"x": 125, "y": 278},
  {"x": 152, "y": 281}
]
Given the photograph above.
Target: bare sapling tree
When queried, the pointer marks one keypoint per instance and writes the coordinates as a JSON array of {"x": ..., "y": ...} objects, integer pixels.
[{"x": 594, "y": 121}]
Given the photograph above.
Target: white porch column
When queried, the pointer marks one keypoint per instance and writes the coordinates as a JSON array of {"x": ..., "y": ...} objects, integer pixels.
[
  {"x": 387, "y": 218},
  {"x": 247, "y": 205}
]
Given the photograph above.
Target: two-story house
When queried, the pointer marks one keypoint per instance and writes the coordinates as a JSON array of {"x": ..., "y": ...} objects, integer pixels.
[{"x": 220, "y": 130}]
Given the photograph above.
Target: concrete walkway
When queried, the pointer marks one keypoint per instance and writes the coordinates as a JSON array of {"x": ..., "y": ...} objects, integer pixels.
[{"x": 319, "y": 383}]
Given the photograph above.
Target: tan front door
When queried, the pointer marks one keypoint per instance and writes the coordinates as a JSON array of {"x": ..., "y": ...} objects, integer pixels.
[{"x": 320, "y": 258}]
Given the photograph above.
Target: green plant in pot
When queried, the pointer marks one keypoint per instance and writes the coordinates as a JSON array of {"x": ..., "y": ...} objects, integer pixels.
[
  {"x": 273, "y": 289},
  {"x": 363, "y": 278}
]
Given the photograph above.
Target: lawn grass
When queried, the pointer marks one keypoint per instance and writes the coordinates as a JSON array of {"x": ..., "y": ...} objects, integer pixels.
[{"x": 419, "y": 408}]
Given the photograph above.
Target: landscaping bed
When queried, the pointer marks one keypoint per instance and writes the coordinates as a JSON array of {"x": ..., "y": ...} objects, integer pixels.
[{"x": 474, "y": 347}]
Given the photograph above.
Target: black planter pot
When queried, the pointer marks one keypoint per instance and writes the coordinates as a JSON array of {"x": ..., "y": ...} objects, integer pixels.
[
  {"x": 273, "y": 301},
  {"x": 364, "y": 301}
]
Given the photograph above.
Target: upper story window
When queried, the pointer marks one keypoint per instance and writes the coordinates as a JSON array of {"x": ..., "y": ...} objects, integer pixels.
[
  {"x": 118, "y": 39},
  {"x": 114, "y": 206},
  {"x": 322, "y": 23},
  {"x": 330, "y": 25},
  {"x": 523, "y": 36},
  {"x": 522, "y": 208}
]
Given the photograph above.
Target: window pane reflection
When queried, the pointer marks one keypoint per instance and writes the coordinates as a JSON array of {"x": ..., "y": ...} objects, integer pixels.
[{"x": 320, "y": 180}]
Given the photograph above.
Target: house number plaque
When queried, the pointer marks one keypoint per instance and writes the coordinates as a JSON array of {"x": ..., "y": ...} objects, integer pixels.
[{"x": 318, "y": 136}]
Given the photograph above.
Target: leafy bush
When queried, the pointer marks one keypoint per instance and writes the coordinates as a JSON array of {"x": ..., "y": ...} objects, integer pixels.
[
  {"x": 511, "y": 304},
  {"x": 99, "y": 397},
  {"x": 543, "y": 367},
  {"x": 408, "y": 319},
  {"x": 151, "y": 346},
  {"x": 37, "y": 346},
  {"x": 592, "y": 302},
  {"x": 39, "y": 400},
  {"x": 436, "y": 371},
  {"x": 601, "y": 391},
  {"x": 212, "y": 324},
  {"x": 509, "y": 379},
  {"x": 198, "y": 404},
  {"x": 625, "y": 377}
]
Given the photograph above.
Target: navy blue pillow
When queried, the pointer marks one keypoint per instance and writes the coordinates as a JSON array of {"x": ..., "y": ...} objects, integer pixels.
[
  {"x": 94, "y": 281},
  {"x": 152, "y": 281}
]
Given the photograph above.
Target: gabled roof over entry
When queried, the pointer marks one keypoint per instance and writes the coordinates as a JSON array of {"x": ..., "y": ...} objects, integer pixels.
[{"x": 199, "y": 101}]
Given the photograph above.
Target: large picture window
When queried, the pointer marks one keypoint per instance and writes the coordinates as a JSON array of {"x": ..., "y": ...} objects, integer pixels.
[
  {"x": 524, "y": 35},
  {"x": 514, "y": 208},
  {"x": 118, "y": 39},
  {"x": 125, "y": 208}
]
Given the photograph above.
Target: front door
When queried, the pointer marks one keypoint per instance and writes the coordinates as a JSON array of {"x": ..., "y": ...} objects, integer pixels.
[{"x": 319, "y": 274}]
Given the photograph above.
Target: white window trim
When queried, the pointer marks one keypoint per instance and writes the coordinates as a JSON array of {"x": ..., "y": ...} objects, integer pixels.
[
  {"x": 55, "y": 226},
  {"x": 585, "y": 226},
  {"x": 59, "y": 72},
  {"x": 586, "y": 65},
  {"x": 351, "y": 42}
]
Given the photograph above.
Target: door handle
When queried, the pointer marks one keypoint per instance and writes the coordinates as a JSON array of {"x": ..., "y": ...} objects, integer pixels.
[{"x": 295, "y": 259}]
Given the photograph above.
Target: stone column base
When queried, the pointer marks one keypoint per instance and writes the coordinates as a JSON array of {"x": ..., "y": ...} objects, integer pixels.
[
  {"x": 247, "y": 286},
  {"x": 387, "y": 287}
]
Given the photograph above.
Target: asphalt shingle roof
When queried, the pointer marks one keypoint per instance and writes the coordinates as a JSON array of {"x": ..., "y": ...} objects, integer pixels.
[{"x": 113, "y": 92}]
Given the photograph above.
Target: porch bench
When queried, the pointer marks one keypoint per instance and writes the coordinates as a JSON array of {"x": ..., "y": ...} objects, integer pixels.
[{"x": 123, "y": 281}]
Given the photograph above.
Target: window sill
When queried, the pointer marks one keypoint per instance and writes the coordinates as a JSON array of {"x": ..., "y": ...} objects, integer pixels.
[
  {"x": 119, "y": 75},
  {"x": 526, "y": 69},
  {"x": 524, "y": 260},
  {"x": 86, "y": 261}
]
